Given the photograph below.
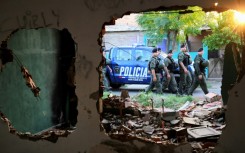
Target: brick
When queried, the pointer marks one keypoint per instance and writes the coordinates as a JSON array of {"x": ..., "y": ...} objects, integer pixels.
[{"x": 211, "y": 97}]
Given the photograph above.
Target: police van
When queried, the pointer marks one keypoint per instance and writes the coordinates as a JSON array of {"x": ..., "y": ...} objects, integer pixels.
[{"x": 129, "y": 65}]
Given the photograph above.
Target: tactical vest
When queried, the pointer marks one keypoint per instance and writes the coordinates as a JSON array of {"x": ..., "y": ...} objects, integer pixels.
[
  {"x": 202, "y": 68},
  {"x": 186, "y": 60},
  {"x": 157, "y": 69},
  {"x": 171, "y": 66}
]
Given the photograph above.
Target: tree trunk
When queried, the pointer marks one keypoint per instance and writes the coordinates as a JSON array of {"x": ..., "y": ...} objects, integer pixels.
[
  {"x": 168, "y": 41},
  {"x": 174, "y": 39},
  {"x": 187, "y": 43}
]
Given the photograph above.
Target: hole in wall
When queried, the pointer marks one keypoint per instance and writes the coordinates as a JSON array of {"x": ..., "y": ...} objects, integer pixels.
[
  {"x": 38, "y": 99},
  {"x": 125, "y": 117}
]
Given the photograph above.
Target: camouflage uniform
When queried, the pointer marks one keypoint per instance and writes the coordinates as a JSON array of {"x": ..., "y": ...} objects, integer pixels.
[
  {"x": 161, "y": 68},
  {"x": 185, "y": 79},
  {"x": 105, "y": 79},
  {"x": 171, "y": 84},
  {"x": 199, "y": 70},
  {"x": 154, "y": 64}
]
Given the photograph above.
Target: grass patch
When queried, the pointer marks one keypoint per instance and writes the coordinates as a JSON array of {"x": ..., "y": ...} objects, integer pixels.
[
  {"x": 170, "y": 101},
  {"x": 105, "y": 94},
  {"x": 209, "y": 85}
]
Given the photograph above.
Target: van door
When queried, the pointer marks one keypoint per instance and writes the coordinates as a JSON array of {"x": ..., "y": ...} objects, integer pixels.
[
  {"x": 130, "y": 65},
  {"x": 121, "y": 65},
  {"x": 142, "y": 58}
]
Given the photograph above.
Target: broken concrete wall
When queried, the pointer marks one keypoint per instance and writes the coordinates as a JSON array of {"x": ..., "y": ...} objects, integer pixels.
[{"x": 84, "y": 19}]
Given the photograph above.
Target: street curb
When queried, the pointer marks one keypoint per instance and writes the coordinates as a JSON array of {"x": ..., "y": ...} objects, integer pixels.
[{"x": 214, "y": 79}]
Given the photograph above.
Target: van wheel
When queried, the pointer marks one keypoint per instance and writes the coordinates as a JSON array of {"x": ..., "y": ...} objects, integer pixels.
[{"x": 115, "y": 86}]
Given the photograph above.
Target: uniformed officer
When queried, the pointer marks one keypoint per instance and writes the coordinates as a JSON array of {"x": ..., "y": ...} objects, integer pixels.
[
  {"x": 199, "y": 79},
  {"x": 169, "y": 81},
  {"x": 184, "y": 60},
  {"x": 155, "y": 71},
  {"x": 105, "y": 65},
  {"x": 164, "y": 70}
]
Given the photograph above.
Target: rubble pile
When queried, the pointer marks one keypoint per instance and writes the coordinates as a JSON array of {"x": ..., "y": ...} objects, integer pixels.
[{"x": 198, "y": 122}]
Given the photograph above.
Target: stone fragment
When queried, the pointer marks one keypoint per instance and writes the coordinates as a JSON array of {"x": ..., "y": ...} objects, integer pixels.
[
  {"x": 211, "y": 97},
  {"x": 148, "y": 129}
]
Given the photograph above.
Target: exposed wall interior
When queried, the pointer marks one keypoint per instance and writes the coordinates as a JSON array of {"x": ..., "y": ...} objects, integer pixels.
[
  {"x": 47, "y": 56},
  {"x": 84, "y": 19}
]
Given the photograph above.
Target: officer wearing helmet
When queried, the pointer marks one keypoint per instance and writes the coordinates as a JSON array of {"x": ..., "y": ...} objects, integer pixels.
[
  {"x": 164, "y": 70},
  {"x": 200, "y": 65},
  {"x": 155, "y": 67},
  {"x": 105, "y": 66},
  {"x": 184, "y": 59},
  {"x": 170, "y": 82}
]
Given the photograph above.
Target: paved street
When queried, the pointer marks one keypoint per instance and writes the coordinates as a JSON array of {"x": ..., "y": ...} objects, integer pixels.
[{"x": 214, "y": 86}]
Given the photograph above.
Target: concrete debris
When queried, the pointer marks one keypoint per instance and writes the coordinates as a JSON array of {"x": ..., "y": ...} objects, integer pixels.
[
  {"x": 174, "y": 122},
  {"x": 206, "y": 123},
  {"x": 148, "y": 129},
  {"x": 210, "y": 106},
  {"x": 201, "y": 132},
  {"x": 201, "y": 113},
  {"x": 185, "y": 106},
  {"x": 196, "y": 122},
  {"x": 104, "y": 121},
  {"x": 169, "y": 116},
  {"x": 211, "y": 97}
]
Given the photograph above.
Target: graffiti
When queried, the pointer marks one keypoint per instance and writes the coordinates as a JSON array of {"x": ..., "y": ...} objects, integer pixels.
[
  {"x": 94, "y": 5},
  {"x": 112, "y": 4},
  {"x": 58, "y": 18},
  {"x": 4, "y": 28},
  {"x": 84, "y": 66},
  {"x": 30, "y": 20}
]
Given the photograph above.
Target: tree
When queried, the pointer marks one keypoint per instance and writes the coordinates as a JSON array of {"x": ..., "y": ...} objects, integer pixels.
[
  {"x": 223, "y": 28},
  {"x": 172, "y": 24},
  {"x": 177, "y": 27},
  {"x": 227, "y": 33}
]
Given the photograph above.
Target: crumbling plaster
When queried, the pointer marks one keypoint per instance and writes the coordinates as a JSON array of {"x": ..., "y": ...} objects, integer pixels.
[{"x": 84, "y": 19}]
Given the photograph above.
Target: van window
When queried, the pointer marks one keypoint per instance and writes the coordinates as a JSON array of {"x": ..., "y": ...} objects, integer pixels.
[
  {"x": 124, "y": 54},
  {"x": 142, "y": 55}
]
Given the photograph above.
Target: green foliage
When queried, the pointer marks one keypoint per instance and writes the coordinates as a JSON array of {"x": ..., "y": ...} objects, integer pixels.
[
  {"x": 143, "y": 98},
  {"x": 163, "y": 23},
  {"x": 171, "y": 101},
  {"x": 175, "y": 26},
  {"x": 105, "y": 94},
  {"x": 175, "y": 102},
  {"x": 192, "y": 22},
  {"x": 223, "y": 28}
]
